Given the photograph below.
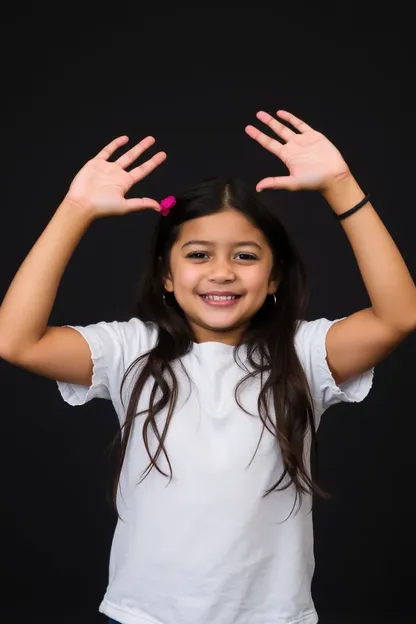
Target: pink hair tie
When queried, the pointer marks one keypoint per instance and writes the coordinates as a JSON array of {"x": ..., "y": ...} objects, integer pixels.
[{"x": 167, "y": 204}]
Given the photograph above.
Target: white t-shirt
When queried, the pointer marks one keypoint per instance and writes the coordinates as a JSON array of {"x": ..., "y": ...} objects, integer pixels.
[{"x": 206, "y": 548}]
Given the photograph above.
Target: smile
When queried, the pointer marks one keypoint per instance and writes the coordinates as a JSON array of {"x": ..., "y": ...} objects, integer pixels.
[{"x": 220, "y": 300}]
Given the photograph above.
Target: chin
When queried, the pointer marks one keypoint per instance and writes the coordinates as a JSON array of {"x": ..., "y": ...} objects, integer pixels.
[{"x": 221, "y": 324}]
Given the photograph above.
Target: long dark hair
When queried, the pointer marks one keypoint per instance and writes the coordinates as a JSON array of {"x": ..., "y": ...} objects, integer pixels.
[{"x": 269, "y": 338}]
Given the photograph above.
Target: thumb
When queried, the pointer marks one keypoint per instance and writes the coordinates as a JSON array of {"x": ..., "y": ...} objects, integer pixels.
[
  {"x": 140, "y": 203},
  {"x": 280, "y": 182}
]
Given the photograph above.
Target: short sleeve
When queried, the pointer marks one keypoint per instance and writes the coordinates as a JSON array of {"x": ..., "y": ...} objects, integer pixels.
[
  {"x": 113, "y": 346},
  {"x": 310, "y": 341}
]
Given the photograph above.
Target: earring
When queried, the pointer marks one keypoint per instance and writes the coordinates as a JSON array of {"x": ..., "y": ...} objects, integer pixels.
[
  {"x": 274, "y": 298},
  {"x": 165, "y": 301}
]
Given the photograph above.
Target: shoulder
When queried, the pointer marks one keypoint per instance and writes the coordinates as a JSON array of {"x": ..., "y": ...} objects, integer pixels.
[
  {"x": 310, "y": 340},
  {"x": 123, "y": 340},
  {"x": 114, "y": 346},
  {"x": 310, "y": 343},
  {"x": 132, "y": 332},
  {"x": 308, "y": 331}
]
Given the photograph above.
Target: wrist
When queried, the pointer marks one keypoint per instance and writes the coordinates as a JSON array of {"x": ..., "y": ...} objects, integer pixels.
[
  {"x": 343, "y": 194},
  {"x": 77, "y": 208}
]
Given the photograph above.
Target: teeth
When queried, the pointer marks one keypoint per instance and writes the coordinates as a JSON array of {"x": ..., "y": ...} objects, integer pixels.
[{"x": 219, "y": 298}]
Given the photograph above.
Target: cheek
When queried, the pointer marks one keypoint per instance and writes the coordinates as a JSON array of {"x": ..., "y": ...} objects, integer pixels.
[
  {"x": 187, "y": 277},
  {"x": 256, "y": 278}
]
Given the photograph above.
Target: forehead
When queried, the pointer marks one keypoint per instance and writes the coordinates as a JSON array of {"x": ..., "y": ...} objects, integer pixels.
[{"x": 226, "y": 227}]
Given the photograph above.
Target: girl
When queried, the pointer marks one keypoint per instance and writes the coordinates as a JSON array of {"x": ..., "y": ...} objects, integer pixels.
[{"x": 218, "y": 381}]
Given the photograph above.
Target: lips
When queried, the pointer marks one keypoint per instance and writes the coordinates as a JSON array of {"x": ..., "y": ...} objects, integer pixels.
[
  {"x": 220, "y": 299},
  {"x": 220, "y": 293}
]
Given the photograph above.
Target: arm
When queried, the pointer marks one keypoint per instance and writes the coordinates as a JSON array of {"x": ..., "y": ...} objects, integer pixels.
[
  {"x": 365, "y": 338},
  {"x": 28, "y": 303},
  {"x": 25, "y": 339},
  {"x": 98, "y": 190}
]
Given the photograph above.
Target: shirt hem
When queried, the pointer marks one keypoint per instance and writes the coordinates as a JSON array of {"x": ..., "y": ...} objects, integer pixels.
[
  {"x": 128, "y": 617},
  {"x": 123, "y": 616}
]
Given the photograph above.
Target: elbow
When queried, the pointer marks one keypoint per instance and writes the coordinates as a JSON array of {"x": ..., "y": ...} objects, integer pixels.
[
  {"x": 411, "y": 326},
  {"x": 6, "y": 354},
  {"x": 407, "y": 328},
  {"x": 403, "y": 326}
]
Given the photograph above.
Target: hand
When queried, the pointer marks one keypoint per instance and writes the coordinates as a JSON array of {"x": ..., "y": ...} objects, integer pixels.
[
  {"x": 314, "y": 163},
  {"x": 100, "y": 185}
]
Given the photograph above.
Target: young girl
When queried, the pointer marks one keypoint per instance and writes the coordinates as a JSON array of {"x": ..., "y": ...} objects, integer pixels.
[{"x": 218, "y": 381}]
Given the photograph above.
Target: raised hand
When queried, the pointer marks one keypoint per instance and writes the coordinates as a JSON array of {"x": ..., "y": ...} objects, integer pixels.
[
  {"x": 314, "y": 163},
  {"x": 100, "y": 186}
]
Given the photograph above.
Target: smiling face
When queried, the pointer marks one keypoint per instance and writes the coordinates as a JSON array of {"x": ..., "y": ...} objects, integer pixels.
[{"x": 220, "y": 273}]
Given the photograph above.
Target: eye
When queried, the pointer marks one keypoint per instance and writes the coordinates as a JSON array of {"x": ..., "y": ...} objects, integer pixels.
[
  {"x": 247, "y": 256},
  {"x": 197, "y": 255},
  {"x": 202, "y": 255}
]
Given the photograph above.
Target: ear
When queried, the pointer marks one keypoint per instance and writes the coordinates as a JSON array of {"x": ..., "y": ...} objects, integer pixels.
[
  {"x": 168, "y": 283},
  {"x": 273, "y": 286},
  {"x": 274, "y": 281},
  {"x": 167, "y": 279}
]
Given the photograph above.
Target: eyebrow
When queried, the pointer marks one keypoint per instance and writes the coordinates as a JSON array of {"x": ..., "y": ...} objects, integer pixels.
[{"x": 210, "y": 243}]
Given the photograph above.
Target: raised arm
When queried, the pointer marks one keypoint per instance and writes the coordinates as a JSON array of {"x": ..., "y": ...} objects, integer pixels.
[
  {"x": 97, "y": 191},
  {"x": 366, "y": 337}
]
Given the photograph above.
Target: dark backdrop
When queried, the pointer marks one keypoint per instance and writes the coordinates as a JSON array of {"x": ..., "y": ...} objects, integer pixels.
[{"x": 194, "y": 78}]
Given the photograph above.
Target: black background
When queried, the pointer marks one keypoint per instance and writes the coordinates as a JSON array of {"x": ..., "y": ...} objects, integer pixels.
[{"x": 76, "y": 76}]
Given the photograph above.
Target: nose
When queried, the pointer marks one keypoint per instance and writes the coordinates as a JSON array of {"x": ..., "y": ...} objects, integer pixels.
[{"x": 221, "y": 271}]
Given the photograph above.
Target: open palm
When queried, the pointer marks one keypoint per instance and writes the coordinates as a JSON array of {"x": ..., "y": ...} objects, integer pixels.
[
  {"x": 101, "y": 184},
  {"x": 313, "y": 161}
]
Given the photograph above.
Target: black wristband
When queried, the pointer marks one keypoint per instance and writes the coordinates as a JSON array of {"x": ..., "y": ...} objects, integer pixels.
[{"x": 346, "y": 214}]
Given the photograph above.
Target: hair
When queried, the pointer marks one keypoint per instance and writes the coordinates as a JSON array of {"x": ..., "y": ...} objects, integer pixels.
[{"x": 269, "y": 339}]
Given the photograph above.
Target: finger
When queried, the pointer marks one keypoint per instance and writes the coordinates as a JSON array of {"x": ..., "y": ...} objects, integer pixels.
[
  {"x": 140, "y": 203},
  {"x": 129, "y": 157},
  {"x": 280, "y": 182},
  {"x": 294, "y": 121},
  {"x": 280, "y": 129},
  {"x": 109, "y": 149},
  {"x": 270, "y": 144},
  {"x": 140, "y": 172}
]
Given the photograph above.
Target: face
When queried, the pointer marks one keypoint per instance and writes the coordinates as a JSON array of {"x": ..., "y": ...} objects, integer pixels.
[{"x": 220, "y": 270}]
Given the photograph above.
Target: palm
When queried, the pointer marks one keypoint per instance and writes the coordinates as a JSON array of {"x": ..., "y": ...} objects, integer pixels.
[
  {"x": 101, "y": 185},
  {"x": 312, "y": 160},
  {"x": 104, "y": 183}
]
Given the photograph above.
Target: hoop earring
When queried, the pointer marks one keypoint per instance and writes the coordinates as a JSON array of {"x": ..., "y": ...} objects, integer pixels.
[
  {"x": 274, "y": 298},
  {"x": 165, "y": 301}
]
